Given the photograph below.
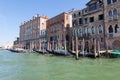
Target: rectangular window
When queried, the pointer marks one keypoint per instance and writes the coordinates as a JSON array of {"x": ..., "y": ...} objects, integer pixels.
[
  {"x": 86, "y": 20},
  {"x": 91, "y": 19},
  {"x": 108, "y": 2},
  {"x": 80, "y": 21},
  {"x": 101, "y": 17}
]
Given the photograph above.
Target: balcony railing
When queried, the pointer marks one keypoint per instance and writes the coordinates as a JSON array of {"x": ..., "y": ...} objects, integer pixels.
[
  {"x": 113, "y": 35},
  {"x": 110, "y": 35},
  {"x": 110, "y": 18},
  {"x": 115, "y": 17}
]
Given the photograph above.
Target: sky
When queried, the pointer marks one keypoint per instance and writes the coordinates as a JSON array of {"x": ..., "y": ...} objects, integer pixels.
[{"x": 14, "y": 12}]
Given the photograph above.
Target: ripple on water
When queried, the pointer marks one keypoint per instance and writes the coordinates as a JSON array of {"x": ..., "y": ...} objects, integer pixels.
[{"x": 32, "y": 66}]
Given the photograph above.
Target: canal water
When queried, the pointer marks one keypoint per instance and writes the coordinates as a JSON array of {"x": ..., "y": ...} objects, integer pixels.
[{"x": 33, "y": 66}]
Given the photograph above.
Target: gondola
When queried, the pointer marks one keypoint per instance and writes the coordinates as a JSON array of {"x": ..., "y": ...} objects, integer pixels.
[
  {"x": 50, "y": 51},
  {"x": 40, "y": 52},
  {"x": 82, "y": 54},
  {"x": 74, "y": 53},
  {"x": 18, "y": 50},
  {"x": 58, "y": 52},
  {"x": 61, "y": 52}
]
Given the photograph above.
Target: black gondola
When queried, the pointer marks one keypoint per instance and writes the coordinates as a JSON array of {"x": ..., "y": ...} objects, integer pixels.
[
  {"x": 18, "y": 50},
  {"x": 74, "y": 53},
  {"x": 41, "y": 52},
  {"x": 58, "y": 52}
]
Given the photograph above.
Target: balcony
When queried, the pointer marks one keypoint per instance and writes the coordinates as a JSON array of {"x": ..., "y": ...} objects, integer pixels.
[
  {"x": 115, "y": 17},
  {"x": 87, "y": 11},
  {"x": 86, "y": 24},
  {"x": 110, "y": 18},
  {"x": 113, "y": 35}
]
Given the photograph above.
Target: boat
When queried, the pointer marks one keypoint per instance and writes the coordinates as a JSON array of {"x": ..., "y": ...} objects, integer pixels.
[
  {"x": 82, "y": 54},
  {"x": 61, "y": 52},
  {"x": 41, "y": 52},
  {"x": 18, "y": 50},
  {"x": 114, "y": 54},
  {"x": 74, "y": 53},
  {"x": 58, "y": 52}
]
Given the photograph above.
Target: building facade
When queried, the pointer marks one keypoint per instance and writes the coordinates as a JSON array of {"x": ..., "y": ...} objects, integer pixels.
[
  {"x": 98, "y": 21},
  {"x": 112, "y": 23},
  {"x": 88, "y": 25},
  {"x": 58, "y": 31},
  {"x": 33, "y": 33}
]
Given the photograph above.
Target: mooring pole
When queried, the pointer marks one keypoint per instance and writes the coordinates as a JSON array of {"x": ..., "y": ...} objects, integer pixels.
[
  {"x": 83, "y": 46},
  {"x": 72, "y": 44},
  {"x": 77, "y": 48},
  {"x": 95, "y": 48}
]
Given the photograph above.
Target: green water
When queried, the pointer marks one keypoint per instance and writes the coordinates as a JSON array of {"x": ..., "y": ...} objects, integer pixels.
[{"x": 14, "y": 66}]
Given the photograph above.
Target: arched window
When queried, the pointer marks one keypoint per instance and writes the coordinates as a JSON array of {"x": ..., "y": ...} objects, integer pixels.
[
  {"x": 110, "y": 29},
  {"x": 73, "y": 32},
  {"x": 116, "y": 28},
  {"x": 110, "y": 13},
  {"x": 115, "y": 12},
  {"x": 93, "y": 30},
  {"x": 114, "y": 1},
  {"x": 100, "y": 29},
  {"x": 79, "y": 13},
  {"x": 109, "y": 1},
  {"x": 74, "y": 15}
]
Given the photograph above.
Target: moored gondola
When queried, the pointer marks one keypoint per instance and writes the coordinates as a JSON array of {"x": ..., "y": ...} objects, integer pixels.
[
  {"x": 40, "y": 52},
  {"x": 18, "y": 50}
]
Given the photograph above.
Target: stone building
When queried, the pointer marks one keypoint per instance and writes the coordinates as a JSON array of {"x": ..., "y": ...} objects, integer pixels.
[
  {"x": 58, "y": 31},
  {"x": 88, "y": 25},
  {"x": 33, "y": 32},
  {"x": 112, "y": 23}
]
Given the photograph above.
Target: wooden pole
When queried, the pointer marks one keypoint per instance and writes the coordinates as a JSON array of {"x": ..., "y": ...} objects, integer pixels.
[
  {"x": 65, "y": 46},
  {"x": 40, "y": 45},
  {"x": 89, "y": 45},
  {"x": 43, "y": 47},
  {"x": 72, "y": 44},
  {"x": 95, "y": 47},
  {"x": 76, "y": 48},
  {"x": 60, "y": 45},
  {"x": 98, "y": 47},
  {"x": 48, "y": 45},
  {"x": 53, "y": 45},
  {"x": 83, "y": 47}
]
